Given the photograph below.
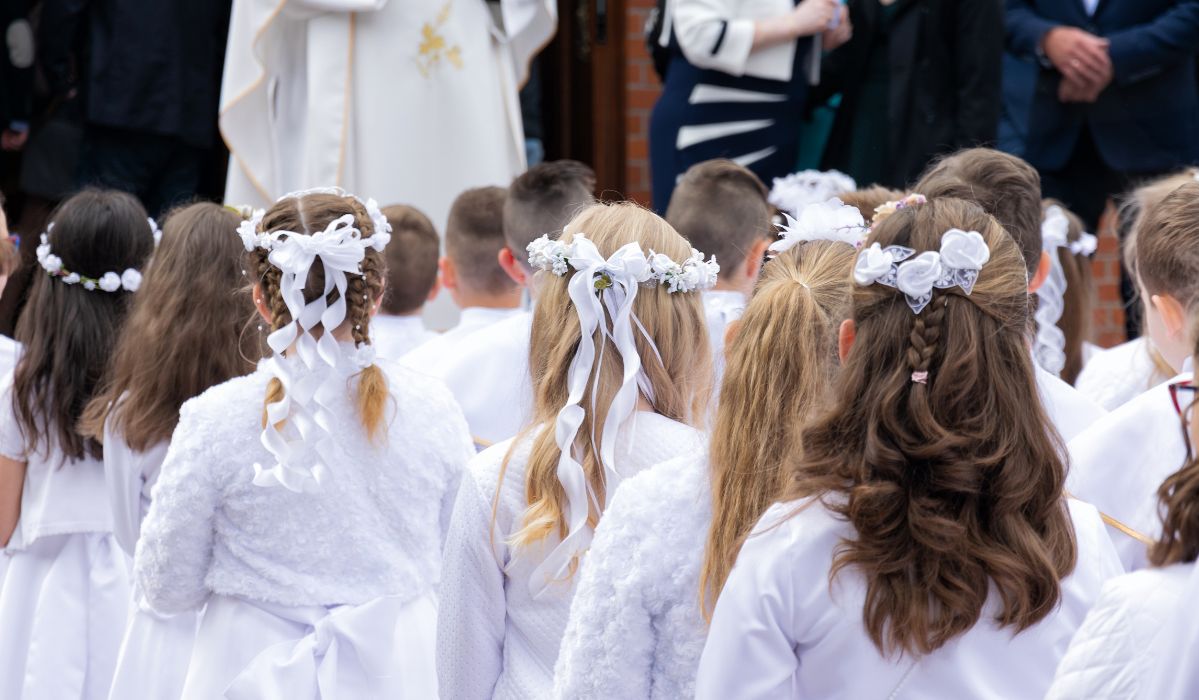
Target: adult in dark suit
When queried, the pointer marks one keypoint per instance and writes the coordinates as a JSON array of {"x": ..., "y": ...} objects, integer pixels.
[
  {"x": 919, "y": 78},
  {"x": 1114, "y": 97}
]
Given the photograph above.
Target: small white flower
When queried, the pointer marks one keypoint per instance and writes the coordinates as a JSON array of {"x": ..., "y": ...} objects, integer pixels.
[
  {"x": 872, "y": 263},
  {"x": 72, "y": 278},
  {"x": 131, "y": 280},
  {"x": 249, "y": 234},
  {"x": 51, "y": 263},
  {"x": 89, "y": 285},
  {"x": 110, "y": 282},
  {"x": 548, "y": 255},
  {"x": 155, "y": 230}
]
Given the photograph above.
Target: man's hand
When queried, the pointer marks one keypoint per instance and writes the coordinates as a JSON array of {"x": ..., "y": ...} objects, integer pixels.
[
  {"x": 843, "y": 32},
  {"x": 1081, "y": 57},
  {"x": 1072, "y": 92}
]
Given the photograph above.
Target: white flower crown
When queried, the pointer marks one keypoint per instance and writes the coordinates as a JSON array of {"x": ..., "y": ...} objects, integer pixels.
[
  {"x": 252, "y": 237},
  {"x": 129, "y": 280},
  {"x": 832, "y": 220},
  {"x": 961, "y": 258},
  {"x": 693, "y": 274},
  {"x": 792, "y": 193}
]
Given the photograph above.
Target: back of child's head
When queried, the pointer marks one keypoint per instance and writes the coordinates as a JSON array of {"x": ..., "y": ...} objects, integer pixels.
[
  {"x": 1167, "y": 250},
  {"x": 474, "y": 235},
  {"x": 310, "y": 214},
  {"x": 1140, "y": 200},
  {"x": 678, "y": 371},
  {"x": 935, "y": 448},
  {"x": 96, "y": 246},
  {"x": 1006, "y": 187},
  {"x": 1078, "y": 297},
  {"x": 186, "y": 330},
  {"x": 543, "y": 199},
  {"x": 721, "y": 208},
  {"x": 411, "y": 260},
  {"x": 785, "y": 348},
  {"x": 869, "y": 199}
]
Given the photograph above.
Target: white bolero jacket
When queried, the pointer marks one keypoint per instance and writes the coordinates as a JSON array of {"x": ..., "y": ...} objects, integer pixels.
[{"x": 719, "y": 35}]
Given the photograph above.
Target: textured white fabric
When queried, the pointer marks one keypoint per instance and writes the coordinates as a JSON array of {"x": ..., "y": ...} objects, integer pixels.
[
  {"x": 636, "y": 629},
  {"x": 10, "y": 352},
  {"x": 494, "y": 638},
  {"x": 373, "y": 530},
  {"x": 431, "y": 355},
  {"x": 721, "y": 307},
  {"x": 1121, "y": 461},
  {"x": 1113, "y": 652},
  {"x": 719, "y": 34},
  {"x": 488, "y": 372},
  {"x": 1068, "y": 410},
  {"x": 1114, "y": 376},
  {"x": 781, "y": 630},
  {"x": 1173, "y": 674},
  {"x": 129, "y": 475},
  {"x": 396, "y": 336}
]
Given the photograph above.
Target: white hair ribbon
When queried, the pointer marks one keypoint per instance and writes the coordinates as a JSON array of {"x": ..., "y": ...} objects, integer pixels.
[
  {"x": 1049, "y": 345},
  {"x": 961, "y": 258},
  {"x": 831, "y": 220}
]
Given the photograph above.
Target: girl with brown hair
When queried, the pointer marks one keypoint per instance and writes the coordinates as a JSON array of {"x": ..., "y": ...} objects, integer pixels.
[
  {"x": 65, "y": 596},
  {"x": 1064, "y": 300},
  {"x": 669, "y": 538},
  {"x": 303, "y": 506},
  {"x": 184, "y": 335},
  {"x": 925, "y": 542},
  {"x": 621, "y": 372}
]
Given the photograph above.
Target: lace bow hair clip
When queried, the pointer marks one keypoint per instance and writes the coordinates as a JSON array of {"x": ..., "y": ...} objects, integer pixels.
[
  {"x": 831, "y": 220},
  {"x": 962, "y": 256},
  {"x": 694, "y": 273}
]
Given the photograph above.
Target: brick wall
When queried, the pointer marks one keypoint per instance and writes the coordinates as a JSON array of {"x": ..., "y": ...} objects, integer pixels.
[{"x": 641, "y": 90}]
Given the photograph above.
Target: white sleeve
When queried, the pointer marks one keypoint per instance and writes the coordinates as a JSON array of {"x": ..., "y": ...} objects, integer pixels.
[
  {"x": 123, "y": 476},
  {"x": 710, "y": 37},
  {"x": 1105, "y": 659},
  {"x": 461, "y": 450},
  {"x": 472, "y": 610},
  {"x": 750, "y": 653},
  {"x": 175, "y": 549},
  {"x": 608, "y": 648}
]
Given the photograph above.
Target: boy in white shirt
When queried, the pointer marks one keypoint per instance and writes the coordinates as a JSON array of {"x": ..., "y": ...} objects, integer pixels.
[
  {"x": 411, "y": 283},
  {"x": 471, "y": 274}
]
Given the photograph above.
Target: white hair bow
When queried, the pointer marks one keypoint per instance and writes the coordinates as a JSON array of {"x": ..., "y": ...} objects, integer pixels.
[
  {"x": 1049, "y": 345},
  {"x": 957, "y": 264},
  {"x": 831, "y": 220}
]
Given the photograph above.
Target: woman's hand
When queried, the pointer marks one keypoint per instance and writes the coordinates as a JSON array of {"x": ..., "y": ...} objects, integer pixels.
[
  {"x": 812, "y": 16},
  {"x": 838, "y": 35}
]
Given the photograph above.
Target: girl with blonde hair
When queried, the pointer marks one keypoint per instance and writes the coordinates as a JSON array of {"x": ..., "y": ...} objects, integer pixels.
[
  {"x": 669, "y": 538},
  {"x": 303, "y": 506},
  {"x": 621, "y": 372},
  {"x": 926, "y": 529}
]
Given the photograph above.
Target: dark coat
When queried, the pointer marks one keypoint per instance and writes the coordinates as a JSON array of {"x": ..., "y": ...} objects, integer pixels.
[
  {"x": 945, "y": 79},
  {"x": 151, "y": 65},
  {"x": 1147, "y": 120}
]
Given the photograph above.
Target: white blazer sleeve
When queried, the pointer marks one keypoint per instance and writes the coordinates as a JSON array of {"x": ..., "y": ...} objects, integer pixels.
[
  {"x": 608, "y": 648},
  {"x": 711, "y": 36},
  {"x": 750, "y": 653},
  {"x": 175, "y": 549},
  {"x": 1105, "y": 659},
  {"x": 472, "y": 611}
]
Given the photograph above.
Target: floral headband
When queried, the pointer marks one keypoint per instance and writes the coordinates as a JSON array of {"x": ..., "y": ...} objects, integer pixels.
[
  {"x": 886, "y": 209},
  {"x": 832, "y": 220},
  {"x": 961, "y": 258},
  {"x": 129, "y": 280},
  {"x": 557, "y": 257},
  {"x": 791, "y": 194}
]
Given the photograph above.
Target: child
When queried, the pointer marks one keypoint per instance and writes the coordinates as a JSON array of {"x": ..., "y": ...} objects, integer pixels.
[
  {"x": 489, "y": 370},
  {"x": 471, "y": 273},
  {"x": 184, "y": 335},
  {"x": 1114, "y": 376},
  {"x": 65, "y": 596},
  {"x": 721, "y": 208},
  {"x": 304, "y": 505},
  {"x": 927, "y": 544},
  {"x": 1122, "y": 460},
  {"x": 870, "y": 199},
  {"x": 1064, "y": 299},
  {"x": 649, "y": 582},
  {"x": 1127, "y": 632},
  {"x": 411, "y": 282},
  {"x": 1009, "y": 189},
  {"x": 622, "y": 372}
]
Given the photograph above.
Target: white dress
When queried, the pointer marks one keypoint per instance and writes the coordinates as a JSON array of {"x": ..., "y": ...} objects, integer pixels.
[
  {"x": 396, "y": 336},
  {"x": 1119, "y": 463},
  {"x": 1113, "y": 654},
  {"x": 433, "y": 354},
  {"x": 1114, "y": 376},
  {"x": 780, "y": 630},
  {"x": 1069, "y": 411},
  {"x": 636, "y": 629},
  {"x": 488, "y": 372},
  {"x": 495, "y": 638},
  {"x": 157, "y": 647},
  {"x": 334, "y": 588},
  {"x": 65, "y": 596},
  {"x": 721, "y": 307}
]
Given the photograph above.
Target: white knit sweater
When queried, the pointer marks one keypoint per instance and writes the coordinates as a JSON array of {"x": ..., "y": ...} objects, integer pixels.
[
  {"x": 636, "y": 629},
  {"x": 374, "y": 528},
  {"x": 494, "y": 638}
]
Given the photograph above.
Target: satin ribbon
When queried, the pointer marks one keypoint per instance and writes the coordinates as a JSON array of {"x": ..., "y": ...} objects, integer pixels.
[
  {"x": 1049, "y": 345},
  {"x": 600, "y": 289}
]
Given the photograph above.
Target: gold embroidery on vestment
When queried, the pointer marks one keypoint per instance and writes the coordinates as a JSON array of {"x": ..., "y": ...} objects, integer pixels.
[{"x": 434, "y": 48}]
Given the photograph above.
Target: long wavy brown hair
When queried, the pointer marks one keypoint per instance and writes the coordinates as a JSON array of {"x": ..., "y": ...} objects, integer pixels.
[
  {"x": 955, "y": 487},
  {"x": 680, "y": 379},
  {"x": 69, "y": 332},
  {"x": 184, "y": 332},
  {"x": 308, "y": 215},
  {"x": 778, "y": 371}
]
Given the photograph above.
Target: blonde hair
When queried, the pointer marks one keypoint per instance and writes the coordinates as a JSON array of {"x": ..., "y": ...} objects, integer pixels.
[
  {"x": 779, "y": 367},
  {"x": 681, "y": 380},
  {"x": 308, "y": 215}
]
